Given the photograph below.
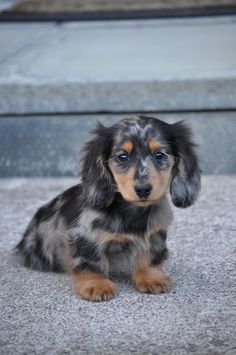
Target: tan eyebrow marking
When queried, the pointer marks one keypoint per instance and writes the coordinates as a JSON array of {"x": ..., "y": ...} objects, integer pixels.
[
  {"x": 127, "y": 146},
  {"x": 153, "y": 145}
]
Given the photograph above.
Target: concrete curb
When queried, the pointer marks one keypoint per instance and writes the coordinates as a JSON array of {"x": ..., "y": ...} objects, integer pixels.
[{"x": 163, "y": 95}]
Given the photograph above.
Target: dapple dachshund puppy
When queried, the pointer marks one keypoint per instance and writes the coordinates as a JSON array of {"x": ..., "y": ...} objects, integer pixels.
[{"x": 119, "y": 214}]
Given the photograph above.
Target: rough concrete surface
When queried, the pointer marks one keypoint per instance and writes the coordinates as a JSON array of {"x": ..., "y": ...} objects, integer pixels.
[
  {"x": 40, "y": 315},
  {"x": 177, "y": 64}
]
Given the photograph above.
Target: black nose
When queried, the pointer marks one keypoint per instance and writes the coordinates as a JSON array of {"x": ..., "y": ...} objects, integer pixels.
[{"x": 143, "y": 190}]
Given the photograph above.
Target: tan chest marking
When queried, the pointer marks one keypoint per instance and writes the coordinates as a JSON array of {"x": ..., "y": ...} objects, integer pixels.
[
  {"x": 156, "y": 229},
  {"x": 119, "y": 238}
]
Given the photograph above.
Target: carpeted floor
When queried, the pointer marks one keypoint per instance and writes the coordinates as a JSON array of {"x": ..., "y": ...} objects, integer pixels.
[{"x": 40, "y": 315}]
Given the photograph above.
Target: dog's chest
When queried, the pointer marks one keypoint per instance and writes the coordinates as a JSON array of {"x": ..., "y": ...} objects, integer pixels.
[
  {"x": 125, "y": 243},
  {"x": 121, "y": 251}
]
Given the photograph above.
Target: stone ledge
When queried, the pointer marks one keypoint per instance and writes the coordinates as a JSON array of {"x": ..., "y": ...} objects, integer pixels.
[{"x": 167, "y": 95}]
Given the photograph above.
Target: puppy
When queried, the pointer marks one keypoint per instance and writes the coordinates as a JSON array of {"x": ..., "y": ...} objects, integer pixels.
[{"x": 119, "y": 214}]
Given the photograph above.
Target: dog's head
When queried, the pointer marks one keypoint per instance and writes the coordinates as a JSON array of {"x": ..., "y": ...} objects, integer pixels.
[{"x": 141, "y": 158}]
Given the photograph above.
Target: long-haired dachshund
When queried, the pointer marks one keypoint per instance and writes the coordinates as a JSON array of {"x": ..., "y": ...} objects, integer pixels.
[{"x": 119, "y": 214}]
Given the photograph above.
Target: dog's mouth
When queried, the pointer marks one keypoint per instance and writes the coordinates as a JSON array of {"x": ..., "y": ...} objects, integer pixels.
[{"x": 142, "y": 202}]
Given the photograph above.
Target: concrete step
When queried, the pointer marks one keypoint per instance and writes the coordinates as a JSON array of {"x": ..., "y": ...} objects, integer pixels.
[
  {"x": 151, "y": 65},
  {"x": 56, "y": 80},
  {"x": 51, "y": 145}
]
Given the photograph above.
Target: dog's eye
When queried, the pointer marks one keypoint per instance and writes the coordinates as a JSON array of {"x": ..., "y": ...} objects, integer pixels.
[
  {"x": 159, "y": 155},
  {"x": 122, "y": 158}
]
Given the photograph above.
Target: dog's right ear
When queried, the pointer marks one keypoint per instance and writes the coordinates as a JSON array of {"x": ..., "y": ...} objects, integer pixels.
[
  {"x": 97, "y": 180},
  {"x": 186, "y": 179}
]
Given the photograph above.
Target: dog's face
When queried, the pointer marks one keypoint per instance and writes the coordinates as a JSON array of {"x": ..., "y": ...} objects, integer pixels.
[
  {"x": 141, "y": 162},
  {"x": 141, "y": 158}
]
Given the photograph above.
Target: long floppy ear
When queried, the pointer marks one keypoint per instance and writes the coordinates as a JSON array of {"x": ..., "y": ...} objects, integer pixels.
[
  {"x": 98, "y": 187},
  {"x": 186, "y": 179}
]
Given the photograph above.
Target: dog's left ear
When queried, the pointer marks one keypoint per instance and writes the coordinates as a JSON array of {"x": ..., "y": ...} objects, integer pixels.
[
  {"x": 186, "y": 179},
  {"x": 96, "y": 178}
]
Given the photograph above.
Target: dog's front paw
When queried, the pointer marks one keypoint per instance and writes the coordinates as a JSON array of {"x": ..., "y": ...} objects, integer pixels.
[
  {"x": 94, "y": 287},
  {"x": 97, "y": 292},
  {"x": 152, "y": 280}
]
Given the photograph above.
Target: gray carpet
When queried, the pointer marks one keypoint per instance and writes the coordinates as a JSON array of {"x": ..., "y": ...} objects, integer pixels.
[{"x": 40, "y": 315}]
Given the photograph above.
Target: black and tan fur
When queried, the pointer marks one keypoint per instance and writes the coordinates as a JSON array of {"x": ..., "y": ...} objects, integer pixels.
[{"x": 118, "y": 216}]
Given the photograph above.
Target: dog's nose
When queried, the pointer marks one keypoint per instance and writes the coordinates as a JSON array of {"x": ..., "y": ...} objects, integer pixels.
[{"x": 143, "y": 190}]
